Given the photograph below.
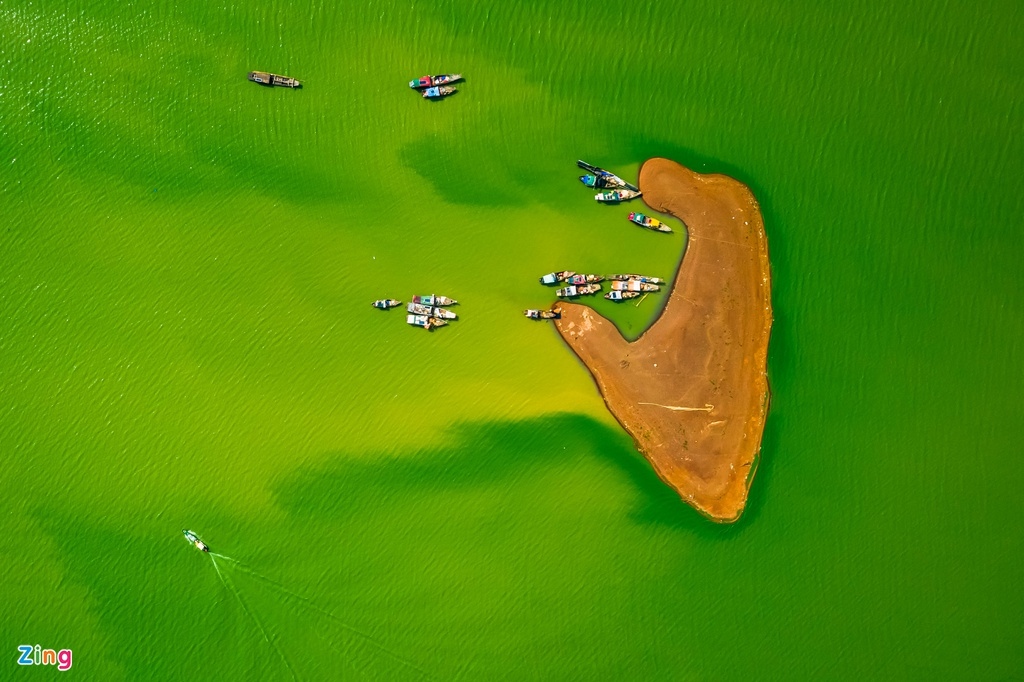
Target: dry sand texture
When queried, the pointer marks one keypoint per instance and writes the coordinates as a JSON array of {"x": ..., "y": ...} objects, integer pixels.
[{"x": 692, "y": 391}]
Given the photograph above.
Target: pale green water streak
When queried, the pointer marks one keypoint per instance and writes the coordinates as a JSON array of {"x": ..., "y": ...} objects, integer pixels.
[{"x": 188, "y": 261}]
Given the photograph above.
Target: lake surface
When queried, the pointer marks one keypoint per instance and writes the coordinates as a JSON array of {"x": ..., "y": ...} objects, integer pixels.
[{"x": 188, "y": 261}]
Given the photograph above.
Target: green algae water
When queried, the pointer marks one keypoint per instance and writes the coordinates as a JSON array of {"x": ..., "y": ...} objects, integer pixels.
[{"x": 186, "y": 341}]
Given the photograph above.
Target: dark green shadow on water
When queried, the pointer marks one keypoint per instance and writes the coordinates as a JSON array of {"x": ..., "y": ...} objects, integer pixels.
[{"x": 487, "y": 454}]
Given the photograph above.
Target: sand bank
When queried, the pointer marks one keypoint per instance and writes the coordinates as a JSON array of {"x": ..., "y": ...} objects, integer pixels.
[{"x": 692, "y": 391}]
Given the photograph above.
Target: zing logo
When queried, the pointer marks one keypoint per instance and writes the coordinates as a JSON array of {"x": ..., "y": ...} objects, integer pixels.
[{"x": 35, "y": 655}]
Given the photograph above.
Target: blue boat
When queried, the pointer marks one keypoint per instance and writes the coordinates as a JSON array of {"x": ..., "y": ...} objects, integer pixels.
[{"x": 438, "y": 93}]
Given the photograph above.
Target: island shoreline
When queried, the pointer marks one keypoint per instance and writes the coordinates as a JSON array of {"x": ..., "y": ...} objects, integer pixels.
[{"x": 699, "y": 419}]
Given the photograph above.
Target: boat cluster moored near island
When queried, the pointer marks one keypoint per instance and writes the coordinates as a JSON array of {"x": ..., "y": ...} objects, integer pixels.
[
  {"x": 427, "y": 312},
  {"x": 436, "y": 87},
  {"x": 617, "y": 191},
  {"x": 623, "y": 288}
]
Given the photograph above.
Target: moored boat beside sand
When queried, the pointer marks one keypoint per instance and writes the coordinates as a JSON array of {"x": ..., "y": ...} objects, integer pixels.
[
  {"x": 648, "y": 222},
  {"x": 639, "y": 278},
  {"x": 439, "y": 313},
  {"x": 578, "y": 290},
  {"x": 542, "y": 314},
  {"x": 616, "y": 196},
  {"x": 599, "y": 178},
  {"x": 434, "y": 300}
]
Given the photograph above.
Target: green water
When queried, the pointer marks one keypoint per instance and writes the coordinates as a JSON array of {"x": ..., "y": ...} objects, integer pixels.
[{"x": 186, "y": 341}]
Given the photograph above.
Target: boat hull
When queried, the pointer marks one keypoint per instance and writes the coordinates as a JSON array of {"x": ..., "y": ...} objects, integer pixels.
[
  {"x": 542, "y": 314},
  {"x": 434, "y": 81},
  {"x": 272, "y": 80},
  {"x": 575, "y": 291},
  {"x": 439, "y": 92},
  {"x": 616, "y": 196},
  {"x": 621, "y": 295},
  {"x": 648, "y": 222}
]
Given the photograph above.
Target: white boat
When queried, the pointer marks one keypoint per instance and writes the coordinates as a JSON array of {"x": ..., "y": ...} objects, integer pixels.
[
  {"x": 616, "y": 196},
  {"x": 434, "y": 300},
  {"x": 194, "y": 539},
  {"x": 424, "y": 321},
  {"x": 439, "y": 313},
  {"x": 634, "y": 285}
]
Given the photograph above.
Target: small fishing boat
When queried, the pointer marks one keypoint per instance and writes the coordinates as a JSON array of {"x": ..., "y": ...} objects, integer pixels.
[
  {"x": 272, "y": 79},
  {"x": 438, "y": 93},
  {"x": 584, "y": 279},
  {"x": 439, "y": 313},
  {"x": 556, "y": 277},
  {"x": 387, "y": 303},
  {"x": 434, "y": 81},
  {"x": 603, "y": 182},
  {"x": 434, "y": 300},
  {"x": 424, "y": 321},
  {"x": 634, "y": 285},
  {"x": 578, "y": 290},
  {"x": 542, "y": 314},
  {"x": 649, "y": 222},
  {"x": 639, "y": 278},
  {"x": 616, "y": 196},
  {"x": 602, "y": 179},
  {"x": 194, "y": 539},
  {"x": 621, "y": 295}
]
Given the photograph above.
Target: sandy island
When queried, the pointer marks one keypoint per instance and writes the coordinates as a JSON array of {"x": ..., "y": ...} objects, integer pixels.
[{"x": 692, "y": 391}]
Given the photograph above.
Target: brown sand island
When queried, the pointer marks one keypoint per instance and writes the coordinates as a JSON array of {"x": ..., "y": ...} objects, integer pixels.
[{"x": 692, "y": 391}]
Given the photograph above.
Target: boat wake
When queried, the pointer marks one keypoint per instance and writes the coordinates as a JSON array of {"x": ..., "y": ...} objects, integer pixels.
[
  {"x": 306, "y": 602},
  {"x": 231, "y": 588}
]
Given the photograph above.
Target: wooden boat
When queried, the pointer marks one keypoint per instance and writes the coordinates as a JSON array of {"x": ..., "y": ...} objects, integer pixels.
[
  {"x": 581, "y": 290},
  {"x": 639, "y": 278},
  {"x": 621, "y": 295},
  {"x": 556, "y": 277},
  {"x": 438, "y": 93},
  {"x": 439, "y": 313},
  {"x": 542, "y": 314},
  {"x": 434, "y": 300},
  {"x": 386, "y": 303},
  {"x": 602, "y": 179},
  {"x": 271, "y": 79},
  {"x": 649, "y": 222},
  {"x": 603, "y": 182},
  {"x": 424, "y": 321},
  {"x": 584, "y": 279},
  {"x": 434, "y": 81},
  {"x": 617, "y": 196},
  {"x": 634, "y": 285}
]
